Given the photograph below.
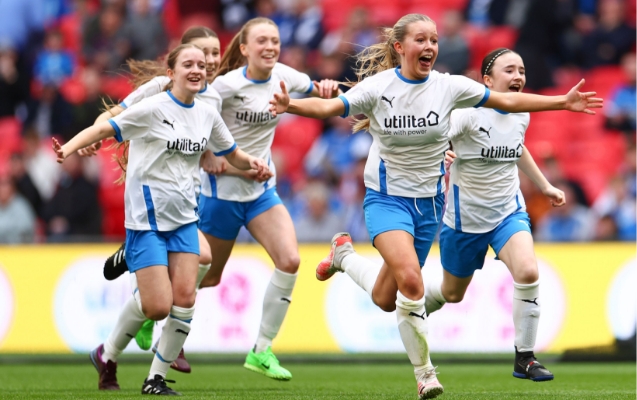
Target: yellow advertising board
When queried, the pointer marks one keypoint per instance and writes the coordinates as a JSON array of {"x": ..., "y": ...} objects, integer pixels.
[{"x": 53, "y": 299}]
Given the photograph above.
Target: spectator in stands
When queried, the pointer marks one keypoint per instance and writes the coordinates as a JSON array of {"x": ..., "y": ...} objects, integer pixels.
[
  {"x": 17, "y": 221},
  {"x": 318, "y": 223},
  {"x": 20, "y": 21},
  {"x": 53, "y": 64},
  {"x": 606, "y": 229},
  {"x": 620, "y": 110},
  {"x": 352, "y": 192},
  {"x": 40, "y": 163},
  {"x": 453, "y": 56},
  {"x": 85, "y": 113},
  {"x": 51, "y": 114},
  {"x": 24, "y": 184},
  {"x": 73, "y": 212},
  {"x": 331, "y": 154},
  {"x": 146, "y": 31},
  {"x": 14, "y": 81},
  {"x": 612, "y": 38},
  {"x": 617, "y": 201},
  {"x": 569, "y": 223},
  {"x": 105, "y": 42}
]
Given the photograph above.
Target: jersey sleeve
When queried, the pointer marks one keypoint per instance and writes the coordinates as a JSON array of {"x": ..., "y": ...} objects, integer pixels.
[
  {"x": 133, "y": 123},
  {"x": 467, "y": 92},
  {"x": 297, "y": 82},
  {"x": 221, "y": 141},
  {"x": 221, "y": 86},
  {"x": 150, "y": 88},
  {"x": 462, "y": 122},
  {"x": 361, "y": 99}
]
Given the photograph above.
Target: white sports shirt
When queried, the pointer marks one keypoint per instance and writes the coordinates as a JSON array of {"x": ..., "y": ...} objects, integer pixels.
[
  {"x": 245, "y": 110},
  {"x": 157, "y": 85},
  {"x": 409, "y": 121},
  {"x": 167, "y": 138},
  {"x": 485, "y": 188}
]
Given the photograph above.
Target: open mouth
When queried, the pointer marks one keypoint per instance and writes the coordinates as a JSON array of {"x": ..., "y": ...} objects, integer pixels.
[
  {"x": 194, "y": 79},
  {"x": 516, "y": 87},
  {"x": 426, "y": 60},
  {"x": 268, "y": 57}
]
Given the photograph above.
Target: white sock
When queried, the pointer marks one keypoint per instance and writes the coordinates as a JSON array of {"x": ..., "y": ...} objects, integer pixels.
[
  {"x": 362, "y": 271},
  {"x": 201, "y": 273},
  {"x": 130, "y": 320},
  {"x": 412, "y": 325},
  {"x": 276, "y": 302},
  {"x": 434, "y": 300},
  {"x": 173, "y": 337},
  {"x": 526, "y": 314}
]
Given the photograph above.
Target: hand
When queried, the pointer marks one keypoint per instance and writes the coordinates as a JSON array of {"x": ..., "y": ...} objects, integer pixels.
[
  {"x": 59, "y": 150},
  {"x": 327, "y": 88},
  {"x": 254, "y": 175},
  {"x": 449, "y": 158},
  {"x": 90, "y": 151},
  {"x": 582, "y": 101},
  {"x": 556, "y": 195},
  {"x": 279, "y": 104},
  {"x": 261, "y": 167},
  {"x": 213, "y": 164}
]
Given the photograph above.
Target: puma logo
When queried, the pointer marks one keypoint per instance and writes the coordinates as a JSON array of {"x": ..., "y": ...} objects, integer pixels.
[
  {"x": 169, "y": 123},
  {"x": 288, "y": 300},
  {"x": 534, "y": 301},
  {"x": 383, "y": 98},
  {"x": 481, "y": 129},
  {"x": 413, "y": 314},
  {"x": 181, "y": 331},
  {"x": 130, "y": 336},
  {"x": 242, "y": 98}
]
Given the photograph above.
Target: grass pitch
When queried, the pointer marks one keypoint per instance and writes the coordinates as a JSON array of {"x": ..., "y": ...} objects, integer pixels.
[{"x": 323, "y": 381}]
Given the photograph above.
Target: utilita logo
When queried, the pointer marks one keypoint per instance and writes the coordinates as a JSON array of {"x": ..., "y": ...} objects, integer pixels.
[
  {"x": 187, "y": 146},
  {"x": 502, "y": 152},
  {"x": 411, "y": 121},
  {"x": 256, "y": 118}
]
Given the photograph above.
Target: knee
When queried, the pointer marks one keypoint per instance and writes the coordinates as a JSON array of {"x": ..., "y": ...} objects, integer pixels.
[
  {"x": 205, "y": 257},
  {"x": 289, "y": 263},
  {"x": 454, "y": 297},
  {"x": 156, "y": 312},
  {"x": 184, "y": 297},
  {"x": 210, "y": 280},
  {"x": 412, "y": 286},
  {"x": 527, "y": 271}
]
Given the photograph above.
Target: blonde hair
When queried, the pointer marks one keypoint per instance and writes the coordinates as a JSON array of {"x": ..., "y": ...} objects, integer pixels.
[
  {"x": 383, "y": 56},
  {"x": 144, "y": 72},
  {"x": 232, "y": 57}
]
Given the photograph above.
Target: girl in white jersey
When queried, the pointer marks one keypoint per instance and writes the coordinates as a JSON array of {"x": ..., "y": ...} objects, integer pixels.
[
  {"x": 407, "y": 107},
  {"x": 151, "y": 79},
  {"x": 248, "y": 77},
  {"x": 485, "y": 208},
  {"x": 168, "y": 133}
]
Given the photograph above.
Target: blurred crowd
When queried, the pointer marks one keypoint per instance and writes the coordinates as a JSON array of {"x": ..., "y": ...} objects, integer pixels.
[{"x": 62, "y": 60}]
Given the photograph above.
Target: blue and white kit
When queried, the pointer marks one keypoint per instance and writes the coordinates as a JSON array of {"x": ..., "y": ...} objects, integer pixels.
[
  {"x": 409, "y": 120},
  {"x": 485, "y": 205}
]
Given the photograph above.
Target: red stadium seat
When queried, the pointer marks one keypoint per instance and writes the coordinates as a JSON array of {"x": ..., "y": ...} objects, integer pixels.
[
  {"x": 111, "y": 195},
  {"x": 10, "y": 136},
  {"x": 294, "y": 138}
]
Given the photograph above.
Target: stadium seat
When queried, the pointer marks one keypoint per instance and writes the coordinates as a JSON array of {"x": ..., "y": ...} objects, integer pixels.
[
  {"x": 10, "y": 137},
  {"x": 111, "y": 194}
]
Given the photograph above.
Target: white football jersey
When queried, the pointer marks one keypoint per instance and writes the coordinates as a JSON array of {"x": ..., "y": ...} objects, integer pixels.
[
  {"x": 409, "y": 122},
  {"x": 245, "y": 110},
  {"x": 167, "y": 138},
  {"x": 484, "y": 183}
]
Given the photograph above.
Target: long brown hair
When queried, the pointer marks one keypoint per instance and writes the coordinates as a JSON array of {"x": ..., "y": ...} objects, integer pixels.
[
  {"x": 232, "y": 57},
  {"x": 121, "y": 155},
  {"x": 382, "y": 56}
]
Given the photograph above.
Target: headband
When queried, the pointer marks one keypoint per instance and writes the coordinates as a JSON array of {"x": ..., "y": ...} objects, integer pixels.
[{"x": 493, "y": 59}]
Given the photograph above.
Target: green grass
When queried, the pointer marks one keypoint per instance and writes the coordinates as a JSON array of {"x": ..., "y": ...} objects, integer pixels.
[{"x": 325, "y": 381}]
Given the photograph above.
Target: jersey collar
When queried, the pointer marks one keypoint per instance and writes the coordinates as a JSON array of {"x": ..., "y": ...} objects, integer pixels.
[
  {"x": 412, "y": 81},
  {"x": 184, "y": 105},
  {"x": 500, "y": 111},
  {"x": 204, "y": 88},
  {"x": 245, "y": 74}
]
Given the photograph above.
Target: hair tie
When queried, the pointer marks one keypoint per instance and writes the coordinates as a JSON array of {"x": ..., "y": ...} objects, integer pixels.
[{"x": 493, "y": 59}]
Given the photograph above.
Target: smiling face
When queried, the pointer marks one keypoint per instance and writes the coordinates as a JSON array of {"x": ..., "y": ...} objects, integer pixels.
[
  {"x": 188, "y": 71},
  {"x": 418, "y": 49},
  {"x": 507, "y": 74},
  {"x": 262, "y": 47},
  {"x": 212, "y": 52}
]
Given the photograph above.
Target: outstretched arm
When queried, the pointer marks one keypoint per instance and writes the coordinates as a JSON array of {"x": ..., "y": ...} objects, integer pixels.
[
  {"x": 529, "y": 167},
  {"x": 312, "y": 107},
  {"x": 91, "y": 150},
  {"x": 574, "y": 100},
  {"x": 85, "y": 138}
]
